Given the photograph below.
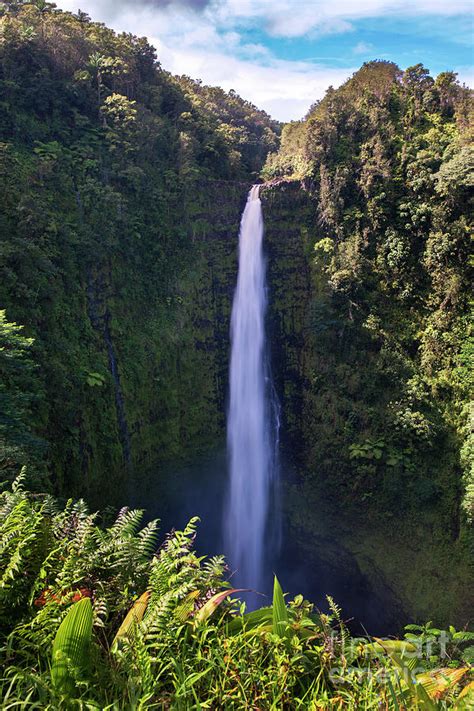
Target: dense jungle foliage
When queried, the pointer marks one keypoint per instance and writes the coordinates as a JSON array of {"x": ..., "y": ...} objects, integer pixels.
[
  {"x": 105, "y": 165},
  {"x": 379, "y": 384},
  {"x": 100, "y": 618}
]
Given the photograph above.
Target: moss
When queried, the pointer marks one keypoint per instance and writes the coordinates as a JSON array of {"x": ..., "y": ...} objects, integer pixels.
[{"x": 172, "y": 348}]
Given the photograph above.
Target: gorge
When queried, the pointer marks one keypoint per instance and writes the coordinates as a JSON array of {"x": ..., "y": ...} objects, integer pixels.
[{"x": 344, "y": 401}]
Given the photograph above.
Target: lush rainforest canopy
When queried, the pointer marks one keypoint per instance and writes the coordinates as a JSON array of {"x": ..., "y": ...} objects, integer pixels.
[{"x": 388, "y": 158}]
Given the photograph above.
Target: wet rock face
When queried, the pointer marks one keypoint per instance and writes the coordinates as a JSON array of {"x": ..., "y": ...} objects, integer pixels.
[
  {"x": 289, "y": 212},
  {"x": 175, "y": 395},
  {"x": 154, "y": 343}
]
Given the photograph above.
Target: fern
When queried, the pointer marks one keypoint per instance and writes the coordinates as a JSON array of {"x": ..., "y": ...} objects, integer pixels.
[
  {"x": 337, "y": 617},
  {"x": 178, "y": 653}
]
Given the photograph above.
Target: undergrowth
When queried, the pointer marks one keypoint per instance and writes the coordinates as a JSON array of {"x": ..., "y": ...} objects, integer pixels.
[{"x": 103, "y": 618}]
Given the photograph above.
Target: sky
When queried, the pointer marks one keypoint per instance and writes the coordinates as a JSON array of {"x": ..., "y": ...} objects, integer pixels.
[{"x": 282, "y": 55}]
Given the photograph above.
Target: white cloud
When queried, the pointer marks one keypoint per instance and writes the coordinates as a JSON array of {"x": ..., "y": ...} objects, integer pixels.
[
  {"x": 284, "y": 89},
  {"x": 362, "y": 48},
  {"x": 465, "y": 75},
  {"x": 284, "y": 18},
  {"x": 187, "y": 43},
  {"x": 310, "y": 23},
  {"x": 287, "y": 18}
]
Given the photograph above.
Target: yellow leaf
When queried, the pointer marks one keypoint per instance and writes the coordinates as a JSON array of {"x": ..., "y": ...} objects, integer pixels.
[
  {"x": 134, "y": 616},
  {"x": 437, "y": 682}
]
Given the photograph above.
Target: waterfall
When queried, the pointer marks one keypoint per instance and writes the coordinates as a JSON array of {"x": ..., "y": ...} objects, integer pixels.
[{"x": 251, "y": 521}]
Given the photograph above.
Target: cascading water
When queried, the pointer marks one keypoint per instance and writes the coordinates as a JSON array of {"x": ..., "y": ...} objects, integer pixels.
[{"x": 251, "y": 527}]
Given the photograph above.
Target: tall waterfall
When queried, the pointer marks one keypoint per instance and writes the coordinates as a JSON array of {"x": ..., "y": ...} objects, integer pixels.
[{"x": 251, "y": 523}]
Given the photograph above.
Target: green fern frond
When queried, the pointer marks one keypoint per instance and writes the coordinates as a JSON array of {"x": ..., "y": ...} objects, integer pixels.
[{"x": 128, "y": 521}]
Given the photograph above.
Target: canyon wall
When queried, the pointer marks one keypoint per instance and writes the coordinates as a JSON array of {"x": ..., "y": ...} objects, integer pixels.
[{"x": 395, "y": 516}]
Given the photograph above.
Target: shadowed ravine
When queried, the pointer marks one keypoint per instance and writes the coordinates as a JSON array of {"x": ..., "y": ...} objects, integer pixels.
[{"x": 236, "y": 493}]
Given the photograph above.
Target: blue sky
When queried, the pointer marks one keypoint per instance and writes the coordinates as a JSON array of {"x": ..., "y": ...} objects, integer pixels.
[{"x": 283, "y": 54}]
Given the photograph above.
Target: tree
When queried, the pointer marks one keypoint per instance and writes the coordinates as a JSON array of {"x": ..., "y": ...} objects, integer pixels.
[
  {"x": 418, "y": 85},
  {"x": 448, "y": 90}
]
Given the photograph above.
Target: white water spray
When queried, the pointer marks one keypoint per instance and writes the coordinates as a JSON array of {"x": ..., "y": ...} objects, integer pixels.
[{"x": 253, "y": 418}]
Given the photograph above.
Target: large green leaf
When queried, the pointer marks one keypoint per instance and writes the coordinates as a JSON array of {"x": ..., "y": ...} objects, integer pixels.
[
  {"x": 71, "y": 646},
  {"x": 280, "y": 613},
  {"x": 388, "y": 646},
  {"x": 416, "y": 690},
  {"x": 252, "y": 621}
]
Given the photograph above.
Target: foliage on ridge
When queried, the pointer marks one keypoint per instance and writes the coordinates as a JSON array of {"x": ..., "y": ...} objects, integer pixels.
[
  {"x": 105, "y": 165},
  {"x": 389, "y": 163}
]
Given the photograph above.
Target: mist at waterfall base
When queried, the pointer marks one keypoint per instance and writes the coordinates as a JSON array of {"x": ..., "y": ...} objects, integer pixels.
[
  {"x": 235, "y": 490},
  {"x": 199, "y": 488}
]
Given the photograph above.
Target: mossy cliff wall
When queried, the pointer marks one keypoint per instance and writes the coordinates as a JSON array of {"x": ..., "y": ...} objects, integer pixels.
[
  {"x": 172, "y": 353},
  {"x": 397, "y": 514},
  {"x": 166, "y": 390},
  {"x": 131, "y": 337}
]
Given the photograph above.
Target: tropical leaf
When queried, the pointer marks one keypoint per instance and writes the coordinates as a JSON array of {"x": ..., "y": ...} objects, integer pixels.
[
  {"x": 387, "y": 646},
  {"x": 416, "y": 691},
  {"x": 306, "y": 628},
  {"x": 251, "y": 621},
  {"x": 280, "y": 613},
  {"x": 439, "y": 681},
  {"x": 133, "y": 617},
  {"x": 185, "y": 609},
  {"x": 71, "y": 646},
  {"x": 213, "y": 603}
]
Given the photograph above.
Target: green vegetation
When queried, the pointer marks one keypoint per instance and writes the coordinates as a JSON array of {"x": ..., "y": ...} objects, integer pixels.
[
  {"x": 101, "y": 618},
  {"x": 115, "y": 177},
  {"x": 372, "y": 311},
  {"x": 18, "y": 390},
  {"x": 122, "y": 188},
  {"x": 248, "y": 131}
]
